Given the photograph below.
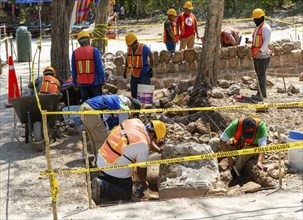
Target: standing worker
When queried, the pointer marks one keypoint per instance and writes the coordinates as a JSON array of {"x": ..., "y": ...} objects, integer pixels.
[
  {"x": 170, "y": 35},
  {"x": 128, "y": 143},
  {"x": 97, "y": 126},
  {"x": 187, "y": 27},
  {"x": 87, "y": 68},
  {"x": 230, "y": 37},
  {"x": 242, "y": 133},
  {"x": 139, "y": 63},
  {"x": 260, "y": 50}
]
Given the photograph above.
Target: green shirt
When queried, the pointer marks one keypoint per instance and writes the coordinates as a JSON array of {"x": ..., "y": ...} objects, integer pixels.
[
  {"x": 231, "y": 130},
  {"x": 167, "y": 25}
]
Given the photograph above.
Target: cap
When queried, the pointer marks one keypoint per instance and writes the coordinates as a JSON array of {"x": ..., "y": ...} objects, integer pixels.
[{"x": 248, "y": 128}]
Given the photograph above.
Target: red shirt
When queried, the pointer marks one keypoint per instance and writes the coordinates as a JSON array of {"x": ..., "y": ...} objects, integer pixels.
[{"x": 189, "y": 24}]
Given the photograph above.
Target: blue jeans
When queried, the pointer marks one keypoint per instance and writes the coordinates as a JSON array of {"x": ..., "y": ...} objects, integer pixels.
[
  {"x": 170, "y": 46},
  {"x": 134, "y": 81},
  {"x": 88, "y": 92}
]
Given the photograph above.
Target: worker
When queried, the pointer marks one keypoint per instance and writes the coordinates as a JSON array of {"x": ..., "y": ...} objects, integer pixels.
[
  {"x": 170, "y": 35},
  {"x": 97, "y": 126},
  {"x": 260, "y": 50},
  {"x": 46, "y": 84},
  {"x": 242, "y": 133},
  {"x": 87, "y": 68},
  {"x": 187, "y": 27},
  {"x": 128, "y": 143},
  {"x": 139, "y": 63},
  {"x": 230, "y": 37}
]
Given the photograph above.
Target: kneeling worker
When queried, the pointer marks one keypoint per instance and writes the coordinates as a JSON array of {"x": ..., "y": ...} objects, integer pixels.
[
  {"x": 241, "y": 134},
  {"x": 97, "y": 126},
  {"x": 128, "y": 143}
]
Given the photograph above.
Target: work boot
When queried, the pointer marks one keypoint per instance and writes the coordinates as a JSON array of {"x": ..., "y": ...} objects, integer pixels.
[{"x": 96, "y": 190}]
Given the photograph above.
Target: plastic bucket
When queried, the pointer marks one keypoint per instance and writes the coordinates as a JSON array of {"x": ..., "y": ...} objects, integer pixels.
[
  {"x": 295, "y": 156},
  {"x": 145, "y": 94}
]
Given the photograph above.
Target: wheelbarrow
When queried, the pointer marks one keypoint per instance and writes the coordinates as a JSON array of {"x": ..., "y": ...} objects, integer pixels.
[{"x": 28, "y": 113}]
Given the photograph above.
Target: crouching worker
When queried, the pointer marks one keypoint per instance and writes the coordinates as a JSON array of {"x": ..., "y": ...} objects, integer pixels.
[
  {"x": 242, "y": 133},
  {"x": 46, "y": 84},
  {"x": 97, "y": 126},
  {"x": 128, "y": 143}
]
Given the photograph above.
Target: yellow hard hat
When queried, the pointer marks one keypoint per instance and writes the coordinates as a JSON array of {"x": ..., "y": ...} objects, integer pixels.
[
  {"x": 160, "y": 129},
  {"x": 49, "y": 69},
  {"x": 83, "y": 34},
  {"x": 172, "y": 12},
  {"x": 188, "y": 5},
  {"x": 130, "y": 38},
  {"x": 258, "y": 13}
]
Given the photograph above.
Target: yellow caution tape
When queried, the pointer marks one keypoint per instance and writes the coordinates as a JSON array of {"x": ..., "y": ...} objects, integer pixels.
[
  {"x": 54, "y": 188},
  {"x": 257, "y": 106},
  {"x": 256, "y": 150},
  {"x": 280, "y": 21}
]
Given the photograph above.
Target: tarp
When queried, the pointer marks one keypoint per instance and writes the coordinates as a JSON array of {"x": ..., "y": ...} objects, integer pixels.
[
  {"x": 28, "y": 1},
  {"x": 82, "y": 10}
]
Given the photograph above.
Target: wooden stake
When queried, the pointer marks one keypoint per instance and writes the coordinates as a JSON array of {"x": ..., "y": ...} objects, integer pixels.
[
  {"x": 209, "y": 130},
  {"x": 280, "y": 176},
  {"x": 49, "y": 166},
  {"x": 89, "y": 189}
]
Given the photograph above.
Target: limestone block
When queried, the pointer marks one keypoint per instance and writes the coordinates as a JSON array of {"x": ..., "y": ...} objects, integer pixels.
[
  {"x": 246, "y": 63},
  {"x": 184, "y": 84},
  {"x": 277, "y": 51},
  {"x": 248, "y": 50},
  {"x": 189, "y": 55},
  {"x": 165, "y": 56},
  {"x": 121, "y": 83},
  {"x": 301, "y": 77},
  {"x": 171, "y": 67},
  {"x": 183, "y": 67},
  {"x": 187, "y": 179},
  {"x": 192, "y": 66},
  {"x": 295, "y": 56},
  {"x": 217, "y": 93},
  {"x": 285, "y": 40},
  {"x": 233, "y": 62},
  {"x": 111, "y": 79},
  {"x": 217, "y": 192},
  {"x": 234, "y": 90},
  {"x": 270, "y": 81},
  {"x": 293, "y": 89},
  {"x": 235, "y": 191},
  {"x": 224, "y": 53},
  {"x": 280, "y": 89},
  {"x": 232, "y": 51},
  {"x": 251, "y": 187},
  {"x": 288, "y": 47},
  {"x": 223, "y": 83},
  {"x": 222, "y": 63},
  {"x": 198, "y": 55},
  {"x": 247, "y": 80},
  {"x": 226, "y": 176},
  {"x": 169, "y": 81},
  {"x": 120, "y": 70},
  {"x": 285, "y": 59},
  {"x": 156, "y": 57},
  {"x": 108, "y": 57},
  {"x": 119, "y": 60},
  {"x": 275, "y": 61},
  {"x": 161, "y": 68},
  {"x": 223, "y": 165},
  {"x": 177, "y": 57},
  {"x": 111, "y": 88},
  {"x": 120, "y": 53},
  {"x": 241, "y": 52},
  {"x": 297, "y": 44},
  {"x": 158, "y": 83}
]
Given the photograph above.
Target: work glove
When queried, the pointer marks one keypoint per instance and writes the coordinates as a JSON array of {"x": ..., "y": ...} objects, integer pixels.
[
  {"x": 124, "y": 74},
  {"x": 150, "y": 72}
]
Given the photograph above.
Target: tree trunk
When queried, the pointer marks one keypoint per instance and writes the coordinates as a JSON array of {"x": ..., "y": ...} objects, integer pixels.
[
  {"x": 208, "y": 67},
  {"x": 99, "y": 32},
  {"x": 61, "y": 16}
]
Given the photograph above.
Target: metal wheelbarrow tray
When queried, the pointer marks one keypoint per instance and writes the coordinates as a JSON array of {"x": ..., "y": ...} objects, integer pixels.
[{"x": 28, "y": 113}]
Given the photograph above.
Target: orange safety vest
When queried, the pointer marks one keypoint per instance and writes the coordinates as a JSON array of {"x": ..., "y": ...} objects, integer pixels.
[
  {"x": 85, "y": 65},
  {"x": 50, "y": 85},
  {"x": 183, "y": 22},
  {"x": 131, "y": 131},
  {"x": 258, "y": 42},
  {"x": 174, "y": 29},
  {"x": 238, "y": 134},
  {"x": 135, "y": 62}
]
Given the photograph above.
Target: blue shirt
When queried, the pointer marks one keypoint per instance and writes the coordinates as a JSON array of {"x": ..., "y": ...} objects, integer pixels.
[
  {"x": 99, "y": 72},
  {"x": 145, "y": 52},
  {"x": 111, "y": 102}
]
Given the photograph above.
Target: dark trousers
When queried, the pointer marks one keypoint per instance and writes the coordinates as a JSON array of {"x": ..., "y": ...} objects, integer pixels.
[
  {"x": 134, "y": 81},
  {"x": 88, "y": 92},
  {"x": 115, "y": 188},
  {"x": 260, "y": 68},
  {"x": 170, "y": 46}
]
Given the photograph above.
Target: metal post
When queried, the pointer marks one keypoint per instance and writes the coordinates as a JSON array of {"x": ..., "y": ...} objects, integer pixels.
[
  {"x": 89, "y": 189},
  {"x": 6, "y": 47},
  {"x": 11, "y": 44},
  {"x": 49, "y": 166},
  {"x": 68, "y": 103},
  {"x": 29, "y": 66},
  {"x": 21, "y": 86}
]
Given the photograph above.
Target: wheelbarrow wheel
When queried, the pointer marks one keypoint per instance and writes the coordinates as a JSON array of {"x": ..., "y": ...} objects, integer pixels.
[{"x": 39, "y": 142}]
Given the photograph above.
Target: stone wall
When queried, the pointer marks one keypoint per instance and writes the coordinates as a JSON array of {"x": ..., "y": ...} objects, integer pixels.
[{"x": 181, "y": 67}]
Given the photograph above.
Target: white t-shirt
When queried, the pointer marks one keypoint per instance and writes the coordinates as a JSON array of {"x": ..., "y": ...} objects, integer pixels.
[
  {"x": 138, "y": 152},
  {"x": 122, "y": 11}
]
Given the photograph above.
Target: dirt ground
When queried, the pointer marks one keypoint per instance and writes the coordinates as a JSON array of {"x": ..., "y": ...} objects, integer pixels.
[{"x": 24, "y": 194}]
